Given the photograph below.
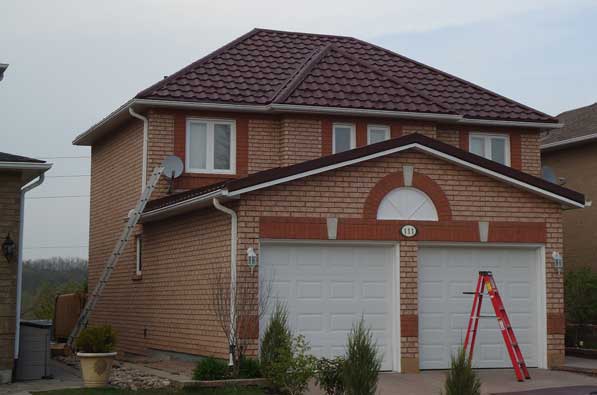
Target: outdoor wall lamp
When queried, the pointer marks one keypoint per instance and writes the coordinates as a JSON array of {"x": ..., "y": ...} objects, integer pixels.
[
  {"x": 251, "y": 258},
  {"x": 558, "y": 261},
  {"x": 8, "y": 248}
]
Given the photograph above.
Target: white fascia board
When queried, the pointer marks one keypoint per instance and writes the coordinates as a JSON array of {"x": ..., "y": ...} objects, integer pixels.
[
  {"x": 478, "y": 169},
  {"x": 567, "y": 142},
  {"x": 180, "y": 207},
  {"x": 357, "y": 111},
  {"x": 493, "y": 122},
  {"x": 25, "y": 166},
  {"x": 199, "y": 106}
]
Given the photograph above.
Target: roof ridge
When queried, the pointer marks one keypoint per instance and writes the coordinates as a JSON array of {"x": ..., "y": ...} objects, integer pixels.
[
  {"x": 577, "y": 109},
  {"x": 393, "y": 79},
  {"x": 453, "y": 77},
  {"x": 199, "y": 61},
  {"x": 301, "y": 33},
  {"x": 300, "y": 73}
]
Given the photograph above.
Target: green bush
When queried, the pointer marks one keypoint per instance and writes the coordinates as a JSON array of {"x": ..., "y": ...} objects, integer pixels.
[
  {"x": 249, "y": 368},
  {"x": 277, "y": 339},
  {"x": 329, "y": 375},
  {"x": 292, "y": 368},
  {"x": 363, "y": 361},
  {"x": 96, "y": 339},
  {"x": 461, "y": 379},
  {"x": 580, "y": 296},
  {"x": 210, "y": 368}
]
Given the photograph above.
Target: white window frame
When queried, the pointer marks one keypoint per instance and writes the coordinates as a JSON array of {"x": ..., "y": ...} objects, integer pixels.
[
  {"x": 353, "y": 137},
  {"x": 385, "y": 127},
  {"x": 138, "y": 255},
  {"x": 487, "y": 140},
  {"x": 210, "y": 146}
]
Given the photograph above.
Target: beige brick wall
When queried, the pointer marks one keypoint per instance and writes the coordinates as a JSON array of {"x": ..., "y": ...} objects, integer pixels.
[
  {"x": 264, "y": 144},
  {"x": 426, "y": 129},
  {"x": 451, "y": 137},
  {"x": 10, "y": 186},
  {"x": 115, "y": 189},
  {"x": 160, "y": 145},
  {"x": 300, "y": 140},
  {"x": 530, "y": 148}
]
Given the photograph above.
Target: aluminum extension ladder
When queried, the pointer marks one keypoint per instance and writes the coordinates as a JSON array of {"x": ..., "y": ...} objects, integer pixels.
[
  {"x": 486, "y": 281},
  {"x": 129, "y": 228}
]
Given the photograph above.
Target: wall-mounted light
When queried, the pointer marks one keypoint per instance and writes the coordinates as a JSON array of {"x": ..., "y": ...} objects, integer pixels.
[
  {"x": 558, "y": 261},
  {"x": 9, "y": 248},
  {"x": 251, "y": 258}
]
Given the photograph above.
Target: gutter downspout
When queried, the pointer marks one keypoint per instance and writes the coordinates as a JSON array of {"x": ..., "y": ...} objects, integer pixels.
[
  {"x": 24, "y": 190},
  {"x": 145, "y": 139},
  {"x": 233, "y": 249}
]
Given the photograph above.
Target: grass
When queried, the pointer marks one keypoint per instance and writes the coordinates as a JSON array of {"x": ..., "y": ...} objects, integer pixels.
[{"x": 230, "y": 390}]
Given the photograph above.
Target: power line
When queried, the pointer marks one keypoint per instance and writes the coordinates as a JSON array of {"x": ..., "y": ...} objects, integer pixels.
[
  {"x": 46, "y": 247},
  {"x": 63, "y": 157},
  {"x": 56, "y": 197},
  {"x": 71, "y": 175}
]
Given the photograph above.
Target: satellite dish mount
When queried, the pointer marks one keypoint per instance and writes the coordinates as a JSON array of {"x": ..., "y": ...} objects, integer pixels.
[{"x": 173, "y": 168}]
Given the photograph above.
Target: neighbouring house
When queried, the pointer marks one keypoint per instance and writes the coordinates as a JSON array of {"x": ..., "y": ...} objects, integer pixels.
[
  {"x": 569, "y": 155},
  {"x": 3, "y": 67},
  {"x": 16, "y": 173},
  {"x": 367, "y": 184}
]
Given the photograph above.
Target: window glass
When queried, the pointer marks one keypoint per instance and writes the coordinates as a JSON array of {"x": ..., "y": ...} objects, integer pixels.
[
  {"x": 198, "y": 145},
  {"x": 378, "y": 134},
  {"x": 222, "y": 139},
  {"x": 342, "y": 138},
  {"x": 478, "y": 146},
  {"x": 498, "y": 150}
]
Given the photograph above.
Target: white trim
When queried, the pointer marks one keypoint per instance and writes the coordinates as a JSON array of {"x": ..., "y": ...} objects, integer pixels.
[
  {"x": 25, "y": 166},
  {"x": 563, "y": 143},
  {"x": 353, "y": 136},
  {"x": 210, "y": 136},
  {"x": 385, "y": 128},
  {"x": 495, "y": 122},
  {"x": 421, "y": 147},
  {"x": 541, "y": 285},
  {"x": 138, "y": 255},
  {"x": 397, "y": 328},
  {"x": 180, "y": 206},
  {"x": 487, "y": 137}
]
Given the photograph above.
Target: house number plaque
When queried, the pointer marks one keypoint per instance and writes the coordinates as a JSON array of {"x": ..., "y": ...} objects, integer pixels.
[{"x": 408, "y": 231}]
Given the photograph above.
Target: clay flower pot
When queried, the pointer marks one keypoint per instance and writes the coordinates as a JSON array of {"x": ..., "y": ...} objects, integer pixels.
[{"x": 96, "y": 368}]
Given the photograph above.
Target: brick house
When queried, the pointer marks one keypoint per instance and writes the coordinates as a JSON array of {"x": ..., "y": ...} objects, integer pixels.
[
  {"x": 15, "y": 172},
  {"x": 569, "y": 155},
  {"x": 315, "y": 151}
]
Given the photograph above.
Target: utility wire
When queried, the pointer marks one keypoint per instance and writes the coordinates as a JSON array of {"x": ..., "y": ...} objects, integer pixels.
[
  {"x": 63, "y": 157},
  {"x": 45, "y": 247},
  {"x": 56, "y": 197},
  {"x": 66, "y": 176}
]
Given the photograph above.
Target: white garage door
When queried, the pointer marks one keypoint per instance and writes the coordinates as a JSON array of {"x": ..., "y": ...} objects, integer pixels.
[
  {"x": 444, "y": 273},
  {"x": 327, "y": 288}
]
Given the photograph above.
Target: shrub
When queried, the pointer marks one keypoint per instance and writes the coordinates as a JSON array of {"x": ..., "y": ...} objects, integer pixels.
[
  {"x": 277, "y": 339},
  {"x": 362, "y": 364},
  {"x": 580, "y": 292},
  {"x": 249, "y": 368},
  {"x": 329, "y": 375},
  {"x": 461, "y": 380},
  {"x": 210, "y": 368},
  {"x": 293, "y": 367},
  {"x": 97, "y": 339}
]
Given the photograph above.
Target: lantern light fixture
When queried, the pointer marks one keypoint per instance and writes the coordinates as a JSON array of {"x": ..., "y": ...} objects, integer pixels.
[
  {"x": 9, "y": 248},
  {"x": 251, "y": 258}
]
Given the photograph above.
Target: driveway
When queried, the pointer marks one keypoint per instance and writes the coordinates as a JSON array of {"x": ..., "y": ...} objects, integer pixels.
[
  {"x": 64, "y": 377},
  {"x": 494, "y": 381}
]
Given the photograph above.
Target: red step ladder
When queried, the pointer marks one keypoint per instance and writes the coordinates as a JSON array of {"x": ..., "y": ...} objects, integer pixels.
[{"x": 486, "y": 281}]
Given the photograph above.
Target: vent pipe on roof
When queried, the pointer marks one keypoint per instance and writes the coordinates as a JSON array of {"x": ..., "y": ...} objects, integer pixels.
[
  {"x": 233, "y": 248},
  {"x": 145, "y": 139}
]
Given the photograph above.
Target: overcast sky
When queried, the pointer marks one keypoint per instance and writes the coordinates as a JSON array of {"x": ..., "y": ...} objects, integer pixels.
[{"x": 73, "y": 62}]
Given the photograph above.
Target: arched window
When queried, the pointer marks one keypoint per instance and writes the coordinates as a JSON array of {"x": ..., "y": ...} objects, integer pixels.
[{"x": 407, "y": 204}]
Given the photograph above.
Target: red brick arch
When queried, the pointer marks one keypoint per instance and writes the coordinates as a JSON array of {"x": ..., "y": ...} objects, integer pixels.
[{"x": 396, "y": 180}]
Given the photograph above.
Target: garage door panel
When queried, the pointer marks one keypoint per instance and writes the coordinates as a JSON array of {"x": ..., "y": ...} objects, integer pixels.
[
  {"x": 328, "y": 288},
  {"x": 444, "y": 273}
]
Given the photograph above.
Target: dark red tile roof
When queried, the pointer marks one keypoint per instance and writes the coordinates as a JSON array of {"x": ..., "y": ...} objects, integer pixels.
[
  {"x": 288, "y": 171},
  {"x": 335, "y": 71}
]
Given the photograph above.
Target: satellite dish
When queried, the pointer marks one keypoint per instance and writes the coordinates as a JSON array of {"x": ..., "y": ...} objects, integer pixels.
[
  {"x": 173, "y": 168},
  {"x": 548, "y": 174}
]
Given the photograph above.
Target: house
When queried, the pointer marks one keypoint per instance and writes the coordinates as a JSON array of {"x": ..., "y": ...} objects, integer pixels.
[
  {"x": 16, "y": 173},
  {"x": 366, "y": 183},
  {"x": 569, "y": 155}
]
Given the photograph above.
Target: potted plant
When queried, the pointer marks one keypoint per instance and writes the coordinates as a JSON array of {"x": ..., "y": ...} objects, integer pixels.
[{"x": 95, "y": 347}]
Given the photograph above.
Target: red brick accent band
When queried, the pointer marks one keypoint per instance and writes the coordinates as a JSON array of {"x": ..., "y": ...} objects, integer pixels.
[
  {"x": 409, "y": 325},
  {"x": 396, "y": 180},
  {"x": 464, "y": 140},
  {"x": 368, "y": 229},
  {"x": 515, "y": 151},
  {"x": 556, "y": 324}
]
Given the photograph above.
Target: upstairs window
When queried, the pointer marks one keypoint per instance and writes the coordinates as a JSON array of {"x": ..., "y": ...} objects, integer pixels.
[
  {"x": 210, "y": 146},
  {"x": 139, "y": 255},
  {"x": 343, "y": 138},
  {"x": 495, "y": 147},
  {"x": 377, "y": 133}
]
